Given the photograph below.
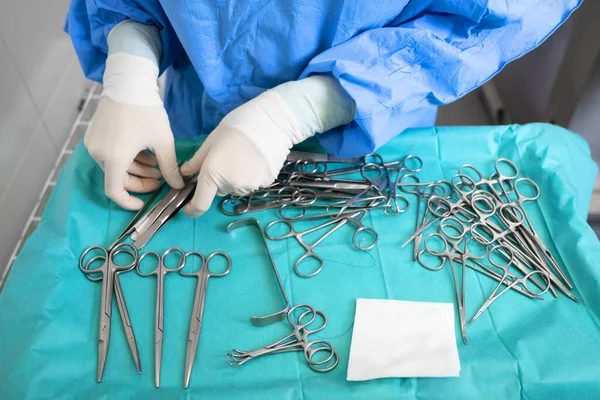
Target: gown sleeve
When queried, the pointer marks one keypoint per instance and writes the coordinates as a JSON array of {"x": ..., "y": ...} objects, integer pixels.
[
  {"x": 90, "y": 21},
  {"x": 433, "y": 53}
]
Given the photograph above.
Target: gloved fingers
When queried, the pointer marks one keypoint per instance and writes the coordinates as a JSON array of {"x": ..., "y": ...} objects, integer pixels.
[
  {"x": 167, "y": 162},
  {"x": 114, "y": 186},
  {"x": 194, "y": 164},
  {"x": 146, "y": 159},
  {"x": 144, "y": 171},
  {"x": 203, "y": 196},
  {"x": 140, "y": 185}
]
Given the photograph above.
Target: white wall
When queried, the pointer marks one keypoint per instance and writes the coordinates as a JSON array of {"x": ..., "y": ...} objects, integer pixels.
[{"x": 41, "y": 86}]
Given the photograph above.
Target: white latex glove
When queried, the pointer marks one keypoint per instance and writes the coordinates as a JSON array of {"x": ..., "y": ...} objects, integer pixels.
[
  {"x": 130, "y": 119},
  {"x": 250, "y": 145}
]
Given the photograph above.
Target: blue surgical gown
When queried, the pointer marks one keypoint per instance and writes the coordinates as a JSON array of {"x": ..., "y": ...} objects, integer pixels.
[{"x": 398, "y": 59}]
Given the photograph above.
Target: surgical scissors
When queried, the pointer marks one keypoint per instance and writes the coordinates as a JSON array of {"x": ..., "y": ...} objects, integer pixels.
[
  {"x": 508, "y": 255},
  {"x": 160, "y": 271},
  {"x": 296, "y": 341},
  {"x": 109, "y": 274},
  {"x": 335, "y": 224},
  {"x": 203, "y": 273}
]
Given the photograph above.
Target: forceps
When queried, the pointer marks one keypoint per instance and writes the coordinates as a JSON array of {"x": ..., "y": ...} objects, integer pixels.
[
  {"x": 296, "y": 341},
  {"x": 521, "y": 199},
  {"x": 161, "y": 270},
  {"x": 434, "y": 205},
  {"x": 109, "y": 271},
  {"x": 335, "y": 224},
  {"x": 203, "y": 273},
  {"x": 394, "y": 207},
  {"x": 446, "y": 254},
  {"x": 421, "y": 191},
  {"x": 508, "y": 255}
]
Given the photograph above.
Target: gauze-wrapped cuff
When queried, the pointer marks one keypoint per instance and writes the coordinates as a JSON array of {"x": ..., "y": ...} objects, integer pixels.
[
  {"x": 319, "y": 103},
  {"x": 130, "y": 79}
]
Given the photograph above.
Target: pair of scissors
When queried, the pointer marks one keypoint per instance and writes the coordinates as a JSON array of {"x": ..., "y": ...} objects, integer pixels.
[
  {"x": 203, "y": 273},
  {"x": 109, "y": 273},
  {"x": 333, "y": 224},
  {"x": 296, "y": 341},
  {"x": 160, "y": 271},
  {"x": 508, "y": 255}
]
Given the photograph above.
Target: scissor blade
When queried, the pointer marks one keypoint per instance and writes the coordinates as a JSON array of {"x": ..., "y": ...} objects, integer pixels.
[
  {"x": 102, "y": 352},
  {"x": 463, "y": 323},
  {"x": 158, "y": 347},
  {"x": 192, "y": 347},
  {"x": 105, "y": 321},
  {"x": 127, "y": 327},
  {"x": 103, "y": 340}
]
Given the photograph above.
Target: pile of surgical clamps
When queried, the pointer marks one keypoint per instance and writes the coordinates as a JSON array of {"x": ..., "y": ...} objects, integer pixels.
[{"x": 468, "y": 222}]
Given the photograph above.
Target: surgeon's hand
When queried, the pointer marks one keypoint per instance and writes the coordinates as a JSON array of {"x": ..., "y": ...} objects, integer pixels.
[
  {"x": 131, "y": 118},
  {"x": 117, "y": 139},
  {"x": 250, "y": 145}
]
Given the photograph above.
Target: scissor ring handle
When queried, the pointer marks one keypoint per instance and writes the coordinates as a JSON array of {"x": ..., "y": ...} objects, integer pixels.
[
  {"x": 435, "y": 252},
  {"x": 289, "y": 191},
  {"x": 182, "y": 259},
  {"x": 323, "y": 365},
  {"x": 481, "y": 238},
  {"x": 283, "y": 216},
  {"x": 483, "y": 204},
  {"x": 528, "y": 277},
  {"x": 202, "y": 263},
  {"x": 306, "y": 197},
  {"x": 440, "y": 203},
  {"x": 217, "y": 254},
  {"x": 83, "y": 268},
  {"x": 502, "y": 176},
  {"x": 368, "y": 167},
  {"x": 405, "y": 185},
  {"x": 430, "y": 190},
  {"x": 235, "y": 212},
  {"x": 124, "y": 248},
  {"x": 309, "y": 255},
  {"x": 473, "y": 256},
  {"x": 142, "y": 257},
  {"x": 286, "y": 235},
  {"x": 404, "y": 166},
  {"x": 314, "y": 347},
  {"x": 451, "y": 223},
  {"x": 298, "y": 323},
  {"x": 424, "y": 264},
  {"x": 510, "y": 257},
  {"x": 397, "y": 209},
  {"x": 464, "y": 181},
  {"x": 366, "y": 229},
  {"x": 462, "y": 170},
  {"x": 523, "y": 197},
  {"x": 511, "y": 213},
  {"x": 87, "y": 274}
]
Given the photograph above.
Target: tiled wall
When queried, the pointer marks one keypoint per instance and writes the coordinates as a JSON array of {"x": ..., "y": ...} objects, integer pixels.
[{"x": 41, "y": 87}]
